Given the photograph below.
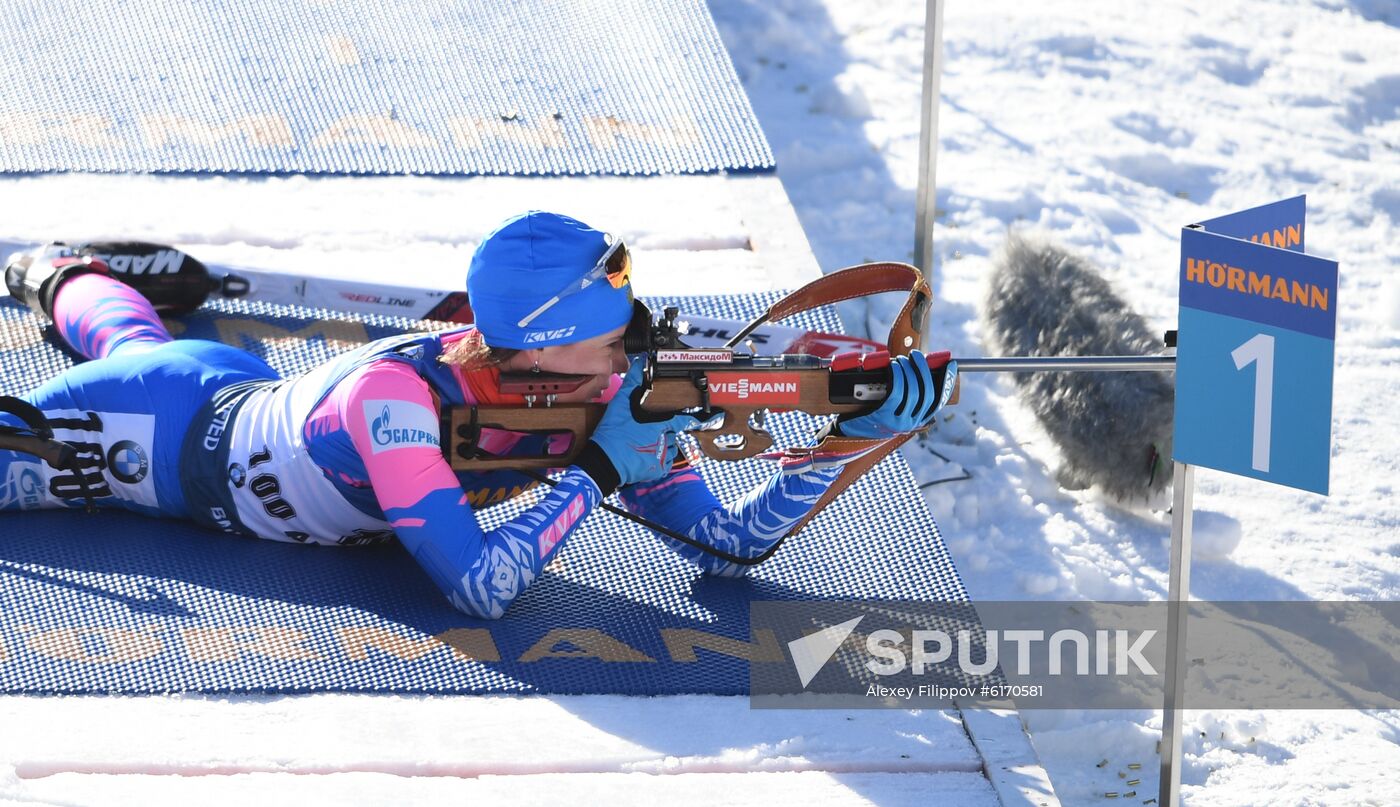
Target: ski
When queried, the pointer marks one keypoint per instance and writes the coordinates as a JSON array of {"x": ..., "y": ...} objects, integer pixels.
[{"x": 350, "y": 296}]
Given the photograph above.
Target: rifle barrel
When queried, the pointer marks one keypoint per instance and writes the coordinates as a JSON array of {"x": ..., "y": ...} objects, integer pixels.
[{"x": 1033, "y": 364}]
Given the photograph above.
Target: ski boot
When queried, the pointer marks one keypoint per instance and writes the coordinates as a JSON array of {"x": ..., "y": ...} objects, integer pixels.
[
  {"x": 33, "y": 277},
  {"x": 173, "y": 282}
]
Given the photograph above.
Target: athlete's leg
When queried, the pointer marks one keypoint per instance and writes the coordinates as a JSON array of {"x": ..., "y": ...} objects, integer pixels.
[
  {"x": 127, "y": 415},
  {"x": 126, "y": 411},
  {"x": 100, "y": 316}
]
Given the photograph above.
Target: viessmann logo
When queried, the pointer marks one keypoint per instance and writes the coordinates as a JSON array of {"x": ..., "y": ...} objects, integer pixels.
[{"x": 768, "y": 388}]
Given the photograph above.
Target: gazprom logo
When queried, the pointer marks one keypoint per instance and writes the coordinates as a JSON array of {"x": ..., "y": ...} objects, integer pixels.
[{"x": 400, "y": 424}]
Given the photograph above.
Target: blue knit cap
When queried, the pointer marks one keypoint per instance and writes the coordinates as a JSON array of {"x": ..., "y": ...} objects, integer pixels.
[{"x": 529, "y": 259}]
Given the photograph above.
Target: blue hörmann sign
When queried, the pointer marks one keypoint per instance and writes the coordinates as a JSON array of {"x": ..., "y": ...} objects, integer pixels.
[{"x": 1255, "y": 348}]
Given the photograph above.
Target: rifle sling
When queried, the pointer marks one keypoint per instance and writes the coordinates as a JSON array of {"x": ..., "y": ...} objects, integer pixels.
[{"x": 906, "y": 334}]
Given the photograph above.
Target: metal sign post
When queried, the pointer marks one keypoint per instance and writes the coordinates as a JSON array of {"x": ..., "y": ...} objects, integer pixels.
[
  {"x": 1179, "y": 586},
  {"x": 1178, "y": 601},
  {"x": 1250, "y": 300},
  {"x": 928, "y": 139}
]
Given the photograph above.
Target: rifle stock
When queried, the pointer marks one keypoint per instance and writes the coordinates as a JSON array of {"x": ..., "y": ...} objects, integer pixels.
[
  {"x": 463, "y": 425},
  {"x": 741, "y": 392}
]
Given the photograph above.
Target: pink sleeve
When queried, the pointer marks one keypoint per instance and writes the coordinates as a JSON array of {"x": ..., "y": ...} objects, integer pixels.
[{"x": 393, "y": 424}]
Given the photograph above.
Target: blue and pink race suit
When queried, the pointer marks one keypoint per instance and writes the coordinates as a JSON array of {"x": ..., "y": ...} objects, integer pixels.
[{"x": 346, "y": 454}]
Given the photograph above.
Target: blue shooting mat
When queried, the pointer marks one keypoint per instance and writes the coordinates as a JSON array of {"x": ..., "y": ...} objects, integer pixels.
[
  {"x": 372, "y": 87},
  {"x": 120, "y": 603}
]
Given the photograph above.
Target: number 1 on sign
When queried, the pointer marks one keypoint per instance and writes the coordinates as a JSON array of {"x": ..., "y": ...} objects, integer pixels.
[{"x": 1260, "y": 349}]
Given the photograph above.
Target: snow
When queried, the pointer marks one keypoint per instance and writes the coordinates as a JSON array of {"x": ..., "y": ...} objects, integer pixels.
[
  {"x": 683, "y": 790},
  {"x": 423, "y": 227},
  {"x": 1107, "y": 126},
  {"x": 368, "y": 749},
  {"x": 527, "y": 736},
  {"x": 1103, "y": 125}
]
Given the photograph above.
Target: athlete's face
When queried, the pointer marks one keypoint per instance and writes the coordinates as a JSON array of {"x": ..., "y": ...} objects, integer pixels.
[{"x": 600, "y": 357}]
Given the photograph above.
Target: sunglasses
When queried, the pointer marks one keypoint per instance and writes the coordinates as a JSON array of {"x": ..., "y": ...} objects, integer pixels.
[{"x": 615, "y": 265}]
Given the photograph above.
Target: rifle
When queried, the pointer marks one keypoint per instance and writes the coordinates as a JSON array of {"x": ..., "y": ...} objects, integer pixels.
[{"x": 742, "y": 387}]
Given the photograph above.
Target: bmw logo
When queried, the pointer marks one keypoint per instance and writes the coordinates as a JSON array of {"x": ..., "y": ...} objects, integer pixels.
[
  {"x": 237, "y": 475},
  {"x": 128, "y": 462}
]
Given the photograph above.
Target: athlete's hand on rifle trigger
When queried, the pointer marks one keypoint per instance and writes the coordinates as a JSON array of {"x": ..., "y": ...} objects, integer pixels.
[
  {"x": 919, "y": 387},
  {"x": 639, "y": 445}
]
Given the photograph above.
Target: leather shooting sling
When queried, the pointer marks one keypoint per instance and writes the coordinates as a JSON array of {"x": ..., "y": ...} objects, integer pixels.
[{"x": 906, "y": 334}]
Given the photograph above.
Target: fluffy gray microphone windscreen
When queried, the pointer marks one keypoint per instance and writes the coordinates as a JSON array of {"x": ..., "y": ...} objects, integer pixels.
[{"x": 1113, "y": 429}]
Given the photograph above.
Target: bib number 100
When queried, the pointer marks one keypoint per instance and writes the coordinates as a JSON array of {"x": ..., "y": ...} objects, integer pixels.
[{"x": 268, "y": 489}]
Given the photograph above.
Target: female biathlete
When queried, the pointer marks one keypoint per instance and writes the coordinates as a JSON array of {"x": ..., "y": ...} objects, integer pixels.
[{"x": 349, "y": 453}]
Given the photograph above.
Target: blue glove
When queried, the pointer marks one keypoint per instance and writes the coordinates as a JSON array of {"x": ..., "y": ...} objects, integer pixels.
[
  {"x": 632, "y": 445},
  {"x": 917, "y": 392}
]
